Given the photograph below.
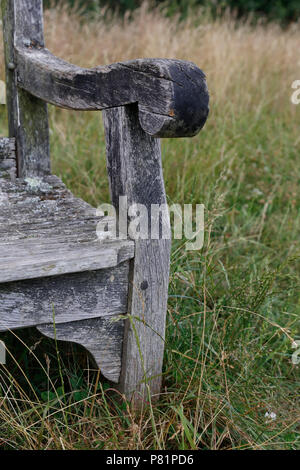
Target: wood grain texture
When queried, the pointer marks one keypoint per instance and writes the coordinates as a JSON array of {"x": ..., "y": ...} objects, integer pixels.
[
  {"x": 7, "y": 148},
  {"x": 27, "y": 115},
  {"x": 69, "y": 297},
  {"x": 134, "y": 166},
  {"x": 46, "y": 231},
  {"x": 102, "y": 337},
  {"x": 8, "y": 164},
  {"x": 171, "y": 94}
]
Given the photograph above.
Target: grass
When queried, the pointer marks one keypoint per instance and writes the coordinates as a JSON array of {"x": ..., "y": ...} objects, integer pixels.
[{"x": 234, "y": 306}]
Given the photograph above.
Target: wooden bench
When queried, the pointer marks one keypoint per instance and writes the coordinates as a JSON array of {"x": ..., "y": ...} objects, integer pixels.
[{"x": 109, "y": 295}]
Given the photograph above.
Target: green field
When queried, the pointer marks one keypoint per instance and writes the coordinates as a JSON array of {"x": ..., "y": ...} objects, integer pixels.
[{"x": 234, "y": 306}]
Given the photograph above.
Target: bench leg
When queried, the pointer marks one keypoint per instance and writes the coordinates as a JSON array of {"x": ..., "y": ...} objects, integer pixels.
[{"x": 135, "y": 171}]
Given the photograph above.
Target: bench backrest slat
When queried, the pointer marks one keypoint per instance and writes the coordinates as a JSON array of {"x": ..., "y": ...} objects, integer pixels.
[{"x": 27, "y": 115}]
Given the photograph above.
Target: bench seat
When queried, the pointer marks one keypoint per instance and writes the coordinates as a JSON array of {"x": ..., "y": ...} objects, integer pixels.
[
  {"x": 53, "y": 267},
  {"x": 46, "y": 231}
]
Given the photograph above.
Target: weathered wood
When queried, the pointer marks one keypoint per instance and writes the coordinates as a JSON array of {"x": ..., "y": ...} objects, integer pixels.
[
  {"x": 70, "y": 297},
  {"x": 8, "y": 169},
  {"x": 46, "y": 231},
  {"x": 27, "y": 115},
  {"x": 171, "y": 94},
  {"x": 141, "y": 180},
  {"x": 8, "y": 164},
  {"x": 103, "y": 337},
  {"x": 7, "y": 149},
  {"x": 60, "y": 259}
]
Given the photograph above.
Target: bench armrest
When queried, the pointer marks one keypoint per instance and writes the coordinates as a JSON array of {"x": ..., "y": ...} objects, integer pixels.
[{"x": 172, "y": 95}]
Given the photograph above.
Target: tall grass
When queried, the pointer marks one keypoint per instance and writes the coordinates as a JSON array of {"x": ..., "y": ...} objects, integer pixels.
[{"x": 234, "y": 307}]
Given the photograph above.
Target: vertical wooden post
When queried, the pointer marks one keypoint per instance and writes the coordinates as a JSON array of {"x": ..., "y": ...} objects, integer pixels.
[
  {"x": 27, "y": 115},
  {"x": 134, "y": 167}
]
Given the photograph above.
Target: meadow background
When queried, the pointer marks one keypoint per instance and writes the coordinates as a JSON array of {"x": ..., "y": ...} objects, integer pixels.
[{"x": 234, "y": 306}]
